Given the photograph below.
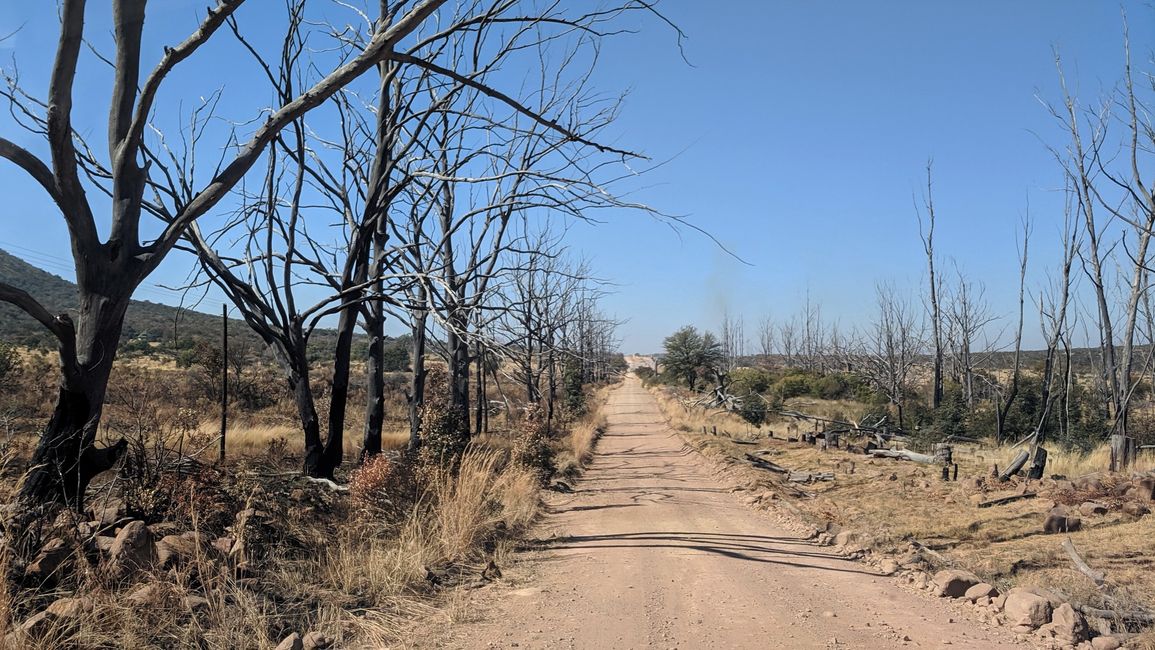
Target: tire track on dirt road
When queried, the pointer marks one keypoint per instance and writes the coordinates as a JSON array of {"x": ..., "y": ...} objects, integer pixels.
[{"x": 650, "y": 551}]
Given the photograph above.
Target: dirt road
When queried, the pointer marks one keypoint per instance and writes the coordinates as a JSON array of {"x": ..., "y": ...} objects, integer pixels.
[{"x": 651, "y": 552}]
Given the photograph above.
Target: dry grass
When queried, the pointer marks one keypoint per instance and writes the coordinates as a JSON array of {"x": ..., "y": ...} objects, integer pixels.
[
  {"x": 891, "y": 502},
  {"x": 362, "y": 577}
]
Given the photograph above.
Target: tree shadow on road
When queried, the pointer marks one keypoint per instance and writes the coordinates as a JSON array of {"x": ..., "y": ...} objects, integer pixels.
[{"x": 743, "y": 547}]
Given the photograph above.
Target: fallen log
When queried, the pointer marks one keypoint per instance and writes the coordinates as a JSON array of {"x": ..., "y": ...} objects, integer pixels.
[
  {"x": 762, "y": 463},
  {"x": 1142, "y": 618},
  {"x": 902, "y": 454},
  {"x": 1008, "y": 499},
  {"x": 810, "y": 477},
  {"x": 1098, "y": 577},
  {"x": 1015, "y": 465}
]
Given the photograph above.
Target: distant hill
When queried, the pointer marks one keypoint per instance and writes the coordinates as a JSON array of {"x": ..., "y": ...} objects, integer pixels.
[
  {"x": 145, "y": 321},
  {"x": 148, "y": 326}
]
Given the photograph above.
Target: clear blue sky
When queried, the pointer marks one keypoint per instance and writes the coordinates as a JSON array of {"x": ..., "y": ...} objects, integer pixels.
[{"x": 797, "y": 136}]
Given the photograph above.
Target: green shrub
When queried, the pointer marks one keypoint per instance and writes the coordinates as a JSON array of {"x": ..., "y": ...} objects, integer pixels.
[
  {"x": 443, "y": 427},
  {"x": 756, "y": 380},
  {"x": 752, "y": 408}
]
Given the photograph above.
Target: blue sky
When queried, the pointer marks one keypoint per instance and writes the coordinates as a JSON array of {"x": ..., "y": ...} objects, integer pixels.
[{"x": 797, "y": 135}]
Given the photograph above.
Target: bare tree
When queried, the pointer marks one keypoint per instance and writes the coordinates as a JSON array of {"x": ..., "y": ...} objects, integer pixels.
[
  {"x": 109, "y": 270},
  {"x": 766, "y": 338},
  {"x": 967, "y": 314},
  {"x": 891, "y": 348},
  {"x": 926, "y": 233}
]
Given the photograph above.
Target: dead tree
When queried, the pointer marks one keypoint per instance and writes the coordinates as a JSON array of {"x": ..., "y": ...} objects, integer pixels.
[
  {"x": 926, "y": 233},
  {"x": 891, "y": 348},
  {"x": 138, "y": 180}
]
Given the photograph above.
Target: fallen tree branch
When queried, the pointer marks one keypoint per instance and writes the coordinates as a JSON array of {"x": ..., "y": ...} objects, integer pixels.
[
  {"x": 762, "y": 463},
  {"x": 1098, "y": 577},
  {"x": 1008, "y": 499},
  {"x": 1142, "y": 618},
  {"x": 902, "y": 454},
  {"x": 810, "y": 477}
]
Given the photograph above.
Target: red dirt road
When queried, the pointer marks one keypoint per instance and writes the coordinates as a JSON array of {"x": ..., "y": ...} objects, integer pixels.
[{"x": 652, "y": 552}]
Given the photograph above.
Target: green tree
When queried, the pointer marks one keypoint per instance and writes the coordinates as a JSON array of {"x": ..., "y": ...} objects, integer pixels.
[{"x": 691, "y": 355}]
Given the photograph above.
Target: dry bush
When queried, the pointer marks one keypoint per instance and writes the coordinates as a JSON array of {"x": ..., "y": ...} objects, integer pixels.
[{"x": 532, "y": 449}]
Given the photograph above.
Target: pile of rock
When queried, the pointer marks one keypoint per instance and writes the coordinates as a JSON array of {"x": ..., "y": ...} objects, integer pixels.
[{"x": 1026, "y": 610}]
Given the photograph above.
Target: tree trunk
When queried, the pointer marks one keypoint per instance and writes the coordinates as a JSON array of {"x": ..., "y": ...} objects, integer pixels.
[
  {"x": 459, "y": 371},
  {"x": 417, "y": 380},
  {"x": 304, "y": 400},
  {"x": 66, "y": 459},
  {"x": 374, "y": 381}
]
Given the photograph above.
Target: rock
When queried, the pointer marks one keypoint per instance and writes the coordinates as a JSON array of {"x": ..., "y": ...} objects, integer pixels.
[
  {"x": 107, "y": 513},
  {"x": 1135, "y": 509},
  {"x": 103, "y": 543},
  {"x": 893, "y": 477},
  {"x": 954, "y": 584},
  {"x": 1146, "y": 488},
  {"x": 316, "y": 641},
  {"x": 982, "y": 601},
  {"x": 153, "y": 594},
  {"x": 1092, "y": 508},
  {"x": 172, "y": 550},
  {"x": 1060, "y": 520},
  {"x": 1089, "y": 483},
  {"x": 845, "y": 538},
  {"x": 45, "y": 568},
  {"x": 291, "y": 642},
  {"x": 195, "y": 604},
  {"x": 224, "y": 545},
  {"x": 1068, "y": 625},
  {"x": 888, "y": 567},
  {"x": 981, "y": 590},
  {"x": 132, "y": 550},
  {"x": 1024, "y": 608},
  {"x": 70, "y": 607},
  {"x": 999, "y": 601},
  {"x": 1105, "y": 643}
]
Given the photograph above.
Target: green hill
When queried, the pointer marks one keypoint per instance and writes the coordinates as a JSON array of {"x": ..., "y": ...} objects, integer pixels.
[
  {"x": 149, "y": 326},
  {"x": 145, "y": 322}
]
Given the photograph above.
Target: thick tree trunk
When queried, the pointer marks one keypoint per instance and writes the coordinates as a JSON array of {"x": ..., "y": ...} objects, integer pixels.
[
  {"x": 66, "y": 458},
  {"x": 374, "y": 381},
  {"x": 459, "y": 372},
  {"x": 333, "y": 452},
  {"x": 303, "y": 399}
]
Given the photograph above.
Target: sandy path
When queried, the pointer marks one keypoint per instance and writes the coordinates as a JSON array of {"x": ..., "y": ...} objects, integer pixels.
[{"x": 650, "y": 552}]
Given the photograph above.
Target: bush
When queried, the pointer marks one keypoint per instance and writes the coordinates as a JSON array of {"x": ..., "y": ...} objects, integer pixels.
[
  {"x": 755, "y": 380},
  {"x": 532, "y": 450},
  {"x": 443, "y": 427},
  {"x": 795, "y": 384},
  {"x": 752, "y": 408},
  {"x": 382, "y": 487},
  {"x": 9, "y": 366},
  {"x": 575, "y": 397}
]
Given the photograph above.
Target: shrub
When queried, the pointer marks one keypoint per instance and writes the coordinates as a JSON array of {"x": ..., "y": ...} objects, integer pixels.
[
  {"x": 532, "y": 450},
  {"x": 443, "y": 427},
  {"x": 575, "y": 397},
  {"x": 756, "y": 380},
  {"x": 752, "y": 408},
  {"x": 9, "y": 366},
  {"x": 382, "y": 487}
]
